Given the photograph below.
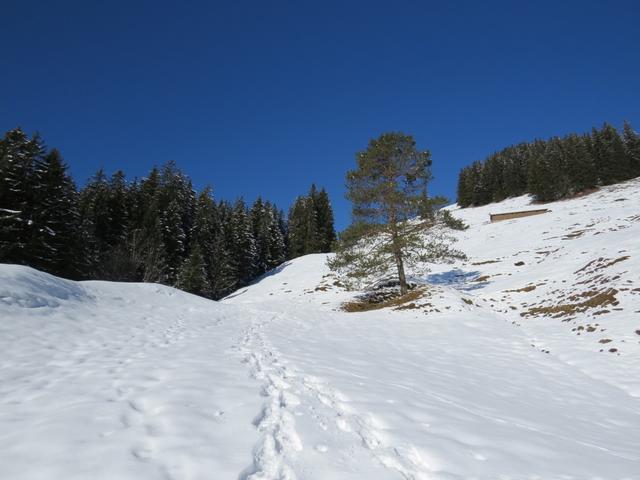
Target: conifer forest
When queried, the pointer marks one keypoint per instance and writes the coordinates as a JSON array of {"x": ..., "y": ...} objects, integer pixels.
[
  {"x": 153, "y": 229},
  {"x": 553, "y": 169}
]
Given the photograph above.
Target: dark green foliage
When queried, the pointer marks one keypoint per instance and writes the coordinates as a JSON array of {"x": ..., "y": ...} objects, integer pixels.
[
  {"x": 552, "y": 169},
  {"x": 243, "y": 247},
  {"x": 631, "y": 141},
  {"x": 55, "y": 243},
  {"x": 193, "y": 276},
  {"x": 311, "y": 227},
  {"x": 39, "y": 222},
  {"x": 18, "y": 157},
  {"x": 156, "y": 229}
]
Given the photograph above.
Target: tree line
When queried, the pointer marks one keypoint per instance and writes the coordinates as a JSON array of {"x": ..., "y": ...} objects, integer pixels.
[
  {"x": 553, "y": 169},
  {"x": 155, "y": 229}
]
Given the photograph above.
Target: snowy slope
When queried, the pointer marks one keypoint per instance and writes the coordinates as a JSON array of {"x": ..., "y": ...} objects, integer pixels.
[
  {"x": 583, "y": 256},
  {"x": 117, "y": 381},
  {"x": 103, "y": 380}
]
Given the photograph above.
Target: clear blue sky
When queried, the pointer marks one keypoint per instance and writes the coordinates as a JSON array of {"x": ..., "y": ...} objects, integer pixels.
[{"x": 268, "y": 97}]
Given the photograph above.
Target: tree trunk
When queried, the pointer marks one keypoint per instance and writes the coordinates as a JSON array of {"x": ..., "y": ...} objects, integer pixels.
[
  {"x": 397, "y": 253},
  {"x": 401, "y": 276}
]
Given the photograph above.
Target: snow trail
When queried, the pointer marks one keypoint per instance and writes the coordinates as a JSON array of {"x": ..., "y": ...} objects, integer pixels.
[{"x": 280, "y": 441}]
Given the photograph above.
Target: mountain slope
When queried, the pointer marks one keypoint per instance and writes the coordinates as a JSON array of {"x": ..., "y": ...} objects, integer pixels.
[{"x": 107, "y": 380}]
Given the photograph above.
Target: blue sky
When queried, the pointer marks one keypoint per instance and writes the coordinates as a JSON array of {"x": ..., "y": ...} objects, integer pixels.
[{"x": 264, "y": 98}]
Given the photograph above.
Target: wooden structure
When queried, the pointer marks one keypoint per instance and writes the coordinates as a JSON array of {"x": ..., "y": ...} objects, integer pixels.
[{"x": 498, "y": 217}]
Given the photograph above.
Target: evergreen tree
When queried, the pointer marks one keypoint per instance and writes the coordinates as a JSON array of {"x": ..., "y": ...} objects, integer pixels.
[
  {"x": 260, "y": 222},
  {"x": 325, "y": 230},
  {"x": 226, "y": 276},
  {"x": 205, "y": 236},
  {"x": 631, "y": 141},
  {"x": 276, "y": 243},
  {"x": 613, "y": 165},
  {"x": 462, "y": 192},
  {"x": 97, "y": 221},
  {"x": 242, "y": 247},
  {"x": 301, "y": 227},
  {"x": 580, "y": 168},
  {"x": 18, "y": 156},
  {"x": 193, "y": 276},
  {"x": 173, "y": 240},
  {"x": 56, "y": 244},
  {"x": 310, "y": 225},
  {"x": 388, "y": 188}
]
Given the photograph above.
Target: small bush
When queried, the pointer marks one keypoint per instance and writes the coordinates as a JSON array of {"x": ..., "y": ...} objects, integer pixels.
[{"x": 453, "y": 222}]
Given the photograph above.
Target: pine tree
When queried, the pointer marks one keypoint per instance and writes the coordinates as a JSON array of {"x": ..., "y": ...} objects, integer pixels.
[
  {"x": 243, "y": 249},
  {"x": 388, "y": 188},
  {"x": 193, "y": 276},
  {"x": 613, "y": 159},
  {"x": 463, "y": 195},
  {"x": 97, "y": 221},
  {"x": 18, "y": 155},
  {"x": 276, "y": 242},
  {"x": 301, "y": 227},
  {"x": 310, "y": 224},
  {"x": 173, "y": 240},
  {"x": 56, "y": 242},
  {"x": 580, "y": 167},
  {"x": 325, "y": 231},
  {"x": 631, "y": 141},
  {"x": 260, "y": 221},
  {"x": 205, "y": 235},
  {"x": 145, "y": 231},
  {"x": 226, "y": 278}
]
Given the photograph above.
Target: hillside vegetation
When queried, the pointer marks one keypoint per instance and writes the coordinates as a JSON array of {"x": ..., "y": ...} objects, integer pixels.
[{"x": 553, "y": 169}]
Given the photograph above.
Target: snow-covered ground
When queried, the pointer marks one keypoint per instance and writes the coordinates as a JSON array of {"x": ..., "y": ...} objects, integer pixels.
[{"x": 128, "y": 381}]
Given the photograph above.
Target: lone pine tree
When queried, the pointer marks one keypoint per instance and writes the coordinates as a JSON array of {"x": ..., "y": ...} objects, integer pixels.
[{"x": 394, "y": 219}]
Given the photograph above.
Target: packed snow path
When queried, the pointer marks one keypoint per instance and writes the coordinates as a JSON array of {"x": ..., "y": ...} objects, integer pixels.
[{"x": 127, "y": 381}]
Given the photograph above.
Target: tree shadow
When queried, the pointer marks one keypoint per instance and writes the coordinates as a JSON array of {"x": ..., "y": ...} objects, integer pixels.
[{"x": 457, "y": 278}]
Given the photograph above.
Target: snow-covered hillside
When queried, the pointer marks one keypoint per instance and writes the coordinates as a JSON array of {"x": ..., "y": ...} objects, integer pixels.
[{"x": 476, "y": 379}]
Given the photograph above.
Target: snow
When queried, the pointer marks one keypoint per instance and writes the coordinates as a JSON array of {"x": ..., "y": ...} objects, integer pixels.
[{"x": 132, "y": 381}]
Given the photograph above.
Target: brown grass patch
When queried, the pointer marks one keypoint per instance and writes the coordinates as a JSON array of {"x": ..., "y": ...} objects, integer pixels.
[
  {"x": 601, "y": 263},
  {"x": 365, "y": 306},
  {"x": 482, "y": 278},
  {"x": 594, "y": 300},
  {"x": 528, "y": 288},
  {"x": 485, "y": 262}
]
